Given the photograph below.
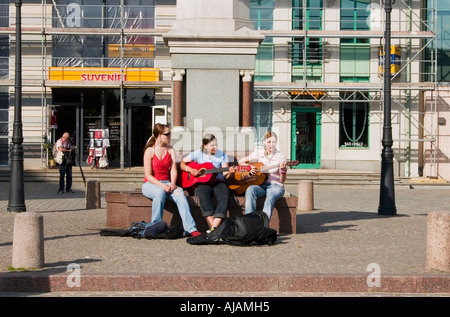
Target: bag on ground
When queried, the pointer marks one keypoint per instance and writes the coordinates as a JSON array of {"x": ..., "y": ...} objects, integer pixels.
[
  {"x": 249, "y": 229},
  {"x": 157, "y": 230},
  {"x": 172, "y": 232},
  {"x": 147, "y": 230},
  {"x": 114, "y": 232},
  {"x": 141, "y": 229}
]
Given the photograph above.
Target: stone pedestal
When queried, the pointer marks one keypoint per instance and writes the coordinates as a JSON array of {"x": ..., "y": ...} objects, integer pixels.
[
  {"x": 438, "y": 240},
  {"x": 28, "y": 241},
  {"x": 213, "y": 44},
  {"x": 93, "y": 195},
  {"x": 305, "y": 196}
]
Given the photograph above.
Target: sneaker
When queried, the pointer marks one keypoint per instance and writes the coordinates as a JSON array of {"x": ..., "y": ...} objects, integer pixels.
[
  {"x": 211, "y": 230},
  {"x": 60, "y": 192},
  {"x": 195, "y": 234},
  {"x": 70, "y": 191}
]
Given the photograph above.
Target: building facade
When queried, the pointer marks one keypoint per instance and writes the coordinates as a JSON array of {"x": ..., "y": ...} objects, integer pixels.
[{"x": 317, "y": 80}]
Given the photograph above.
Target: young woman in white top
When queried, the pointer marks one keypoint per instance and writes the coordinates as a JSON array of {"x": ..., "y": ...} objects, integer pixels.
[{"x": 273, "y": 186}]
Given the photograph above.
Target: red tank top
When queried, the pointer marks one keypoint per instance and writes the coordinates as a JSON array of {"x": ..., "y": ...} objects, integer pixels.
[{"x": 161, "y": 168}]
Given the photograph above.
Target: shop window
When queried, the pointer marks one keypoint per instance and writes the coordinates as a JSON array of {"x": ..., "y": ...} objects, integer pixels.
[
  {"x": 353, "y": 121},
  {"x": 354, "y": 15},
  {"x": 264, "y": 63},
  {"x": 314, "y": 51},
  {"x": 354, "y": 52},
  {"x": 262, "y": 119},
  {"x": 313, "y": 47},
  {"x": 261, "y": 13},
  {"x": 139, "y": 51},
  {"x": 98, "y": 50},
  {"x": 441, "y": 44},
  {"x": 354, "y": 61}
]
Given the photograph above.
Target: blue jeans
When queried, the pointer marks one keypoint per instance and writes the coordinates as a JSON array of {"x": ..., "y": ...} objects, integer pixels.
[
  {"x": 65, "y": 170},
  {"x": 273, "y": 192},
  {"x": 158, "y": 196}
]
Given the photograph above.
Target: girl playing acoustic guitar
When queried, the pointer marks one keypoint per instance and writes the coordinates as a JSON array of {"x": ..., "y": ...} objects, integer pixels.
[
  {"x": 273, "y": 186},
  {"x": 209, "y": 155},
  {"x": 161, "y": 173}
]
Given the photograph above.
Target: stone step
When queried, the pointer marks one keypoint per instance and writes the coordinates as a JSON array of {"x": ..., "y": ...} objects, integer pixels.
[{"x": 319, "y": 177}]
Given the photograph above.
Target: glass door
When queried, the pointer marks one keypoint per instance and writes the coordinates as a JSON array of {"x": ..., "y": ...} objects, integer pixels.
[{"x": 306, "y": 135}]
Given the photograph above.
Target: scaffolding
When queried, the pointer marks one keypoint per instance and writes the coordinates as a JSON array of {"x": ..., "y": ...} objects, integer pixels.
[
  {"x": 406, "y": 84},
  {"x": 413, "y": 30}
]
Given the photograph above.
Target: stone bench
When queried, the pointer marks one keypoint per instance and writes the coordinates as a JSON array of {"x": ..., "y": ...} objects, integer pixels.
[{"x": 125, "y": 207}]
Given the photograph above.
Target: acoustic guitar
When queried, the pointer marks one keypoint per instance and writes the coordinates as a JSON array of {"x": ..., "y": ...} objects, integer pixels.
[
  {"x": 243, "y": 179},
  {"x": 207, "y": 174}
]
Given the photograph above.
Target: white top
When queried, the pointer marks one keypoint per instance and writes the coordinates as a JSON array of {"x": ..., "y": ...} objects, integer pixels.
[{"x": 272, "y": 160}]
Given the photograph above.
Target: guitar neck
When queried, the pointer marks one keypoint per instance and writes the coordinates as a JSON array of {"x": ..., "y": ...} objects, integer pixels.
[
  {"x": 264, "y": 169},
  {"x": 216, "y": 170},
  {"x": 223, "y": 169}
]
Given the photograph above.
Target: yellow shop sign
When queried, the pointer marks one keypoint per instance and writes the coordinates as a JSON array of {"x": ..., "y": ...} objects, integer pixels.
[
  {"x": 132, "y": 50},
  {"x": 92, "y": 74}
]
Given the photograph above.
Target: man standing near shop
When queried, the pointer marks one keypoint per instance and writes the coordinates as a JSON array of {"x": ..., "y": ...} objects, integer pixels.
[{"x": 65, "y": 168}]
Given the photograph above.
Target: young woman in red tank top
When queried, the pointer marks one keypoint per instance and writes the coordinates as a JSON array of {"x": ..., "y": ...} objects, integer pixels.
[{"x": 160, "y": 169}]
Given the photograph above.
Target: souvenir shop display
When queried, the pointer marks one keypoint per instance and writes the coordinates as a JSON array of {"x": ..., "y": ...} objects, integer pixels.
[{"x": 98, "y": 144}]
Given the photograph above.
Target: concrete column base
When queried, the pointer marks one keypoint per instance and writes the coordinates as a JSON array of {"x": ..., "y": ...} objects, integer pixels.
[
  {"x": 28, "y": 241},
  {"x": 438, "y": 240},
  {"x": 305, "y": 195},
  {"x": 93, "y": 195}
]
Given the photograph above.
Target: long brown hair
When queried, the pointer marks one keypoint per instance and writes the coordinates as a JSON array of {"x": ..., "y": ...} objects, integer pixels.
[{"x": 157, "y": 130}]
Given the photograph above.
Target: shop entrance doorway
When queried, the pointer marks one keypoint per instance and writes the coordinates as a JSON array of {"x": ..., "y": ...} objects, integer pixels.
[
  {"x": 306, "y": 136},
  {"x": 80, "y": 111}
]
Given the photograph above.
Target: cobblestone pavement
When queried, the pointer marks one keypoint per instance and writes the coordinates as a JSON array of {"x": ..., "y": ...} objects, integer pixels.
[
  {"x": 221, "y": 294},
  {"x": 343, "y": 235}
]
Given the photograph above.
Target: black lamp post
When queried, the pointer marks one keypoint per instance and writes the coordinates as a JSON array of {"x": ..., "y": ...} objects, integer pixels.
[
  {"x": 387, "y": 194},
  {"x": 16, "y": 186}
]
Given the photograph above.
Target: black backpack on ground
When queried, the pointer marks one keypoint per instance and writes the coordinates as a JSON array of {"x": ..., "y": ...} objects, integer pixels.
[
  {"x": 158, "y": 230},
  {"x": 145, "y": 230},
  {"x": 172, "y": 232},
  {"x": 249, "y": 229}
]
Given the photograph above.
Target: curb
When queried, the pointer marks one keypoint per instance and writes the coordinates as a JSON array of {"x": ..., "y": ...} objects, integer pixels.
[{"x": 69, "y": 282}]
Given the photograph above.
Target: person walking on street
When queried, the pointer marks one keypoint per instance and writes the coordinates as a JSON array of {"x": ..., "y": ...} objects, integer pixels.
[{"x": 65, "y": 168}]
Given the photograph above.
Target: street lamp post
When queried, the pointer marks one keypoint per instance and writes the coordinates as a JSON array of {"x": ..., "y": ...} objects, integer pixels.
[
  {"x": 387, "y": 194},
  {"x": 16, "y": 187}
]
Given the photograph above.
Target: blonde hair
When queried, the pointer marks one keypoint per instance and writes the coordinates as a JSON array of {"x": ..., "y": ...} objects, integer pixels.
[{"x": 268, "y": 135}]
